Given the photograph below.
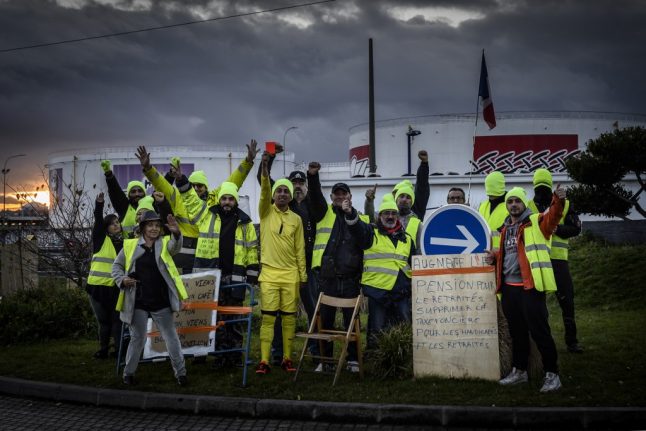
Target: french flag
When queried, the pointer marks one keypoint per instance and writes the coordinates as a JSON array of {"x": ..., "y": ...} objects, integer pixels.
[{"x": 485, "y": 96}]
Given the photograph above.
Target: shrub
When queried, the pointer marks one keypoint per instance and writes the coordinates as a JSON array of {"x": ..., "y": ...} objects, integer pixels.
[
  {"x": 44, "y": 313},
  {"x": 393, "y": 354}
]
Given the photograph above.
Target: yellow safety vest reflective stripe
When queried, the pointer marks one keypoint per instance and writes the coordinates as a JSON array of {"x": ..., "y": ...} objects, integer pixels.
[
  {"x": 413, "y": 226},
  {"x": 129, "y": 247},
  {"x": 383, "y": 261},
  {"x": 323, "y": 231},
  {"x": 537, "y": 250},
  {"x": 494, "y": 219},
  {"x": 560, "y": 246},
  {"x": 101, "y": 265},
  {"x": 129, "y": 222}
]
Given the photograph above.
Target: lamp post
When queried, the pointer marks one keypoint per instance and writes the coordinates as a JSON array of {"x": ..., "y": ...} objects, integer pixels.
[
  {"x": 285, "y": 147},
  {"x": 5, "y": 171},
  {"x": 411, "y": 135}
]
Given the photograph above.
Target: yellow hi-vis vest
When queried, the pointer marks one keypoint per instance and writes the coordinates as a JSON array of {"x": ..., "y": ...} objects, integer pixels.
[
  {"x": 323, "y": 232},
  {"x": 101, "y": 265},
  {"x": 537, "y": 250},
  {"x": 560, "y": 246},
  {"x": 129, "y": 246},
  {"x": 383, "y": 261},
  {"x": 494, "y": 219},
  {"x": 129, "y": 222},
  {"x": 412, "y": 227},
  {"x": 245, "y": 249}
]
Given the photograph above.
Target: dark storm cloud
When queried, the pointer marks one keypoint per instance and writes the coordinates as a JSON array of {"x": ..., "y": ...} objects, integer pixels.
[{"x": 224, "y": 82}]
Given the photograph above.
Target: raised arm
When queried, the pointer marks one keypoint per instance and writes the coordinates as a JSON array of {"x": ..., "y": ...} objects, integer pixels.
[
  {"x": 98, "y": 231},
  {"x": 264, "y": 204},
  {"x": 117, "y": 196},
  {"x": 550, "y": 219},
  {"x": 422, "y": 186},
  {"x": 317, "y": 203}
]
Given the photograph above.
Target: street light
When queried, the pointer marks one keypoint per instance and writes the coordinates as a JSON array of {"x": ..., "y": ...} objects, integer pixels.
[
  {"x": 411, "y": 135},
  {"x": 5, "y": 171},
  {"x": 285, "y": 148}
]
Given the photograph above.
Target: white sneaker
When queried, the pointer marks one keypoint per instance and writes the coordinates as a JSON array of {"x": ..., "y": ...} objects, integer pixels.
[
  {"x": 551, "y": 383},
  {"x": 319, "y": 368},
  {"x": 514, "y": 378},
  {"x": 352, "y": 366}
]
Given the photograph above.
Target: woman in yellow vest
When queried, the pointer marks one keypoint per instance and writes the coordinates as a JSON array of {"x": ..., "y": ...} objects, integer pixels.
[
  {"x": 150, "y": 287},
  {"x": 523, "y": 276},
  {"x": 106, "y": 243}
]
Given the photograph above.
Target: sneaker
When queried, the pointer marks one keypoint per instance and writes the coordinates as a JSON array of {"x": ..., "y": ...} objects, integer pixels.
[
  {"x": 263, "y": 368},
  {"x": 324, "y": 368},
  {"x": 288, "y": 365},
  {"x": 319, "y": 368},
  {"x": 352, "y": 366},
  {"x": 551, "y": 383},
  {"x": 128, "y": 380},
  {"x": 574, "y": 348},
  {"x": 182, "y": 380},
  {"x": 514, "y": 378}
]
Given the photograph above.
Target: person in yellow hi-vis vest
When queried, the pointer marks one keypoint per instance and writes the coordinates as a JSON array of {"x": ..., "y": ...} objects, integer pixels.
[
  {"x": 493, "y": 209},
  {"x": 188, "y": 217},
  {"x": 106, "y": 243},
  {"x": 386, "y": 279},
  {"x": 523, "y": 277},
  {"x": 569, "y": 226},
  {"x": 150, "y": 286},
  {"x": 282, "y": 256},
  {"x": 125, "y": 204}
]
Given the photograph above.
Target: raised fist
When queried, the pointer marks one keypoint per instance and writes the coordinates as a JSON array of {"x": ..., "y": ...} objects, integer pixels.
[
  {"x": 106, "y": 165},
  {"x": 313, "y": 168}
]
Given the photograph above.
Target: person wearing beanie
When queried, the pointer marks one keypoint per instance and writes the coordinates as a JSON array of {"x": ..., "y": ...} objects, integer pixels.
[
  {"x": 569, "y": 226},
  {"x": 187, "y": 215},
  {"x": 282, "y": 247},
  {"x": 337, "y": 260},
  {"x": 386, "y": 277},
  {"x": 150, "y": 285},
  {"x": 523, "y": 278},
  {"x": 494, "y": 210},
  {"x": 125, "y": 204},
  {"x": 106, "y": 243},
  {"x": 417, "y": 201},
  {"x": 309, "y": 293},
  {"x": 405, "y": 199}
]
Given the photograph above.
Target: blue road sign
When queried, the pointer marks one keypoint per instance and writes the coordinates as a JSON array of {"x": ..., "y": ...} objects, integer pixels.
[{"x": 455, "y": 229}]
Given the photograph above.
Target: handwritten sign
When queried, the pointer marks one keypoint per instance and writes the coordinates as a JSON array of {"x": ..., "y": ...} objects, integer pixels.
[
  {"x": 455, "y": 328},
  {"x": 195, "y": 326}
]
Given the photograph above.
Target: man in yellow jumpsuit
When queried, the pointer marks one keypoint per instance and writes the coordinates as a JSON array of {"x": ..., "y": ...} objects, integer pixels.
[{"x": 282, "y": 257}]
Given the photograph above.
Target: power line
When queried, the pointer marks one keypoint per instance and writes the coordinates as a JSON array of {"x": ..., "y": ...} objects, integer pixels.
[{"x": 162, "y": 27}]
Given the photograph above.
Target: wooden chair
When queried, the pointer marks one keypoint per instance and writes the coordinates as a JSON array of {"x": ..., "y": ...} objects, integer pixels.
[{"x": 316, "y": 332}]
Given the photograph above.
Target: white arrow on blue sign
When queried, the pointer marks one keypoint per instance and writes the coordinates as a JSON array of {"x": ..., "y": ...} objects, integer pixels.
[{"x": 455, "y": 229}]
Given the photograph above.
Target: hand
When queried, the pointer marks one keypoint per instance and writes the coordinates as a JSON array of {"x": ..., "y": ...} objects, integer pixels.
[
  {"x": 100, "y": 198},
  {"x": 370, "y": 193},
  {"x": 313, "y": 168},
  {"x": 172, "y": 225},
  {"x": 106, "y": 165},
  {"x": 346, "y": 206},
  {"x": 423, "y": 155},
  {"x": 279, "y": 148},
  {"x": 159, "y": 197},
  {"x": 560, "y": 192},
  {"x": 144, "y": 157},
  {"x": 252, "y": 150},
  {"x": 490, "y": 259},
  {"x": 128, "y": 282}
]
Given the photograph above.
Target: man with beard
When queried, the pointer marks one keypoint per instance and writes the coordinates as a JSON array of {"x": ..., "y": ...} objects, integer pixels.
[
  {"x": 386, "y": 278},
  {"x": 188, "y": 224},
  {"x": 336, "y": 258},
  {"x": 125, "y": 204},
  {"x": 569, "y": 226},
  {"x": 309, "y": 292},
  {"x": 283, "y": 266},
  {"x": 226, "y": 241},
  {"x": 523, "y": 276}
]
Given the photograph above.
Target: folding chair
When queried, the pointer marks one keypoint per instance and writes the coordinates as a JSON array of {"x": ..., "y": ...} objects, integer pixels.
[{"x": 316, "y": 332}]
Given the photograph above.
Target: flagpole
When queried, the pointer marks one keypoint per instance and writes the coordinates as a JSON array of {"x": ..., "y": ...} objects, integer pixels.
[{"x": 473, "y": 144}]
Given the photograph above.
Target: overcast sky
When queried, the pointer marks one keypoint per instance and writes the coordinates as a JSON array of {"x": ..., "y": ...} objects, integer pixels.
[{"x": 224, "y": 82}]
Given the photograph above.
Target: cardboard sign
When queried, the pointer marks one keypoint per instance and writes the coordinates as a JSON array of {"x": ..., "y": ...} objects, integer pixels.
[
  {"x": 455, "y": 327},
  {"x": 195, "y": 326}
]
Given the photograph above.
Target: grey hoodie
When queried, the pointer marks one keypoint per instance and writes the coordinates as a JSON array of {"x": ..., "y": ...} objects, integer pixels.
[{"x": 510, "y": 267}]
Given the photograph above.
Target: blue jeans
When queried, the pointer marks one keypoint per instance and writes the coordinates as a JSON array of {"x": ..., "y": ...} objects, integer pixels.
[
  {"x": 164, "y": 320},
  {"x": 384, "y": 314}
]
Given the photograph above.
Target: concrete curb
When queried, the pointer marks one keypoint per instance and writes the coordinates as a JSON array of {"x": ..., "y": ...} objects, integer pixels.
[{"x": 395, "y": 414}]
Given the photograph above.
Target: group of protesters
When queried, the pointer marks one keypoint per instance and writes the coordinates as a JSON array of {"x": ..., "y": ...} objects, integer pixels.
[{"x": 308, "y": 245}]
